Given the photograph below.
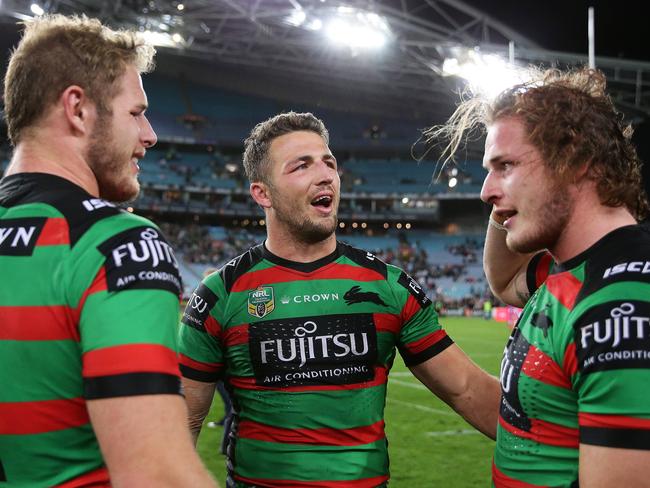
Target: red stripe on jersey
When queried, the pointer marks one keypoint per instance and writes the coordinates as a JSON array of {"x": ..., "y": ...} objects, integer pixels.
[
  {"x": 387, "y": 322},
  {"x": 543, "y": 266},
  {"x": 411, "y": 307},
  {"x": 564, "y": 287},
  {"x": 55, "y": 232},
  {"x": 502, "y": 480},
  {"x": 98, "y": 284},
  {"x": 540, "y": 366},
  {"x": 207, "y": 367},
  {"x": 235, "y": 336},
  {"x": 212, "y": 326},
  {"x": 95, "y": 479},
  {"x": 545, "y": 433},
  {"x": 130, "y": 358},
  {"x": 323, "y": 437},
  {"x": 570, "y": 363},
  {"x": 426, "y": 342},
  {"x": 271, "y": 483},
  {"x": 247, "y": 383},
  {"x": 278, "y": 274},
  {"x": 612, "y": 421},
  {"x": 43, "y": 323},
  {"x": 21, "y": 418}
]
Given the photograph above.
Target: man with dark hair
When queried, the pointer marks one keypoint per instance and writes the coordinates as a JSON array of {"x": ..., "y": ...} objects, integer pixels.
[
  {"x": 564, "y": 182},
  {"x": 90, "y": 390},
  {"x": 305, "y": 329}
]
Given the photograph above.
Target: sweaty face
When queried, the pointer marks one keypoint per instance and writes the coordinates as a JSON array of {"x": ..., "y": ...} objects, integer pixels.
[
  {"x": 536, "y": 206},
  {"x": 119, "y": 138},
  {"x": 304, "y": 186}
]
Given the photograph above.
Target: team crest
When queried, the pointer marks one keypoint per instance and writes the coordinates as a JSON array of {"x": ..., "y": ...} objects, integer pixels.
[{"x": 261, "y": 302}]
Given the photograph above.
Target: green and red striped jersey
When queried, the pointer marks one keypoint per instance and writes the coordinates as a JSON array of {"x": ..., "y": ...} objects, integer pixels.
[
  {"x": 577, "y": 365},
  {"x": 306, "y": 350},
  {"x": 88, "y": 310}
]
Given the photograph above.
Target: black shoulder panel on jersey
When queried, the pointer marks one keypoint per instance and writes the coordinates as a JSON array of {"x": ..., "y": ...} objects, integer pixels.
[
  {"x": 622, "y": 255},
  {"x": 364, "y": 259},
  {"x": 80, "y": 209},
  {"x": 237, "y": 267}
]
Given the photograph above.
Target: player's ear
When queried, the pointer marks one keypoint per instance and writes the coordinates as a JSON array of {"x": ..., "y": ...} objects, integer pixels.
[
  {"x": 260, "y": 193},
  {"x": 78, "y": 109}
]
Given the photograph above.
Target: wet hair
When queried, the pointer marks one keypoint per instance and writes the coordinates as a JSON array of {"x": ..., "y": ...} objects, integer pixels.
[
  {"x": 58, "y": 51},
  {"x": 257, "y": 144},
  {"x": 572, "y": 122}
]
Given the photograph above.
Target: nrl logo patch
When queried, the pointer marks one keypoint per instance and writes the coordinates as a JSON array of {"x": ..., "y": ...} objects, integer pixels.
[{"x": 261, "y": 302}]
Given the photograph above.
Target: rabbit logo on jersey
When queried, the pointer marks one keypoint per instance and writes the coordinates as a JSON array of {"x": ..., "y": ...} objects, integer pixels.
[
  {"x": 140, "y": 258},
  {"x": 320, "y": 350}
]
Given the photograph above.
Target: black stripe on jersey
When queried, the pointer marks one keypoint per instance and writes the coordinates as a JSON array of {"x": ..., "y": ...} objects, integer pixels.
[
  {"x": 3, "y": 476},
  {"x": 531, "y": 272},
  {"x": 623, "y": 438},
  {"x": 18, "y": 236},
  {"x": 414, "y": 359},
  {"x": 302, "y": 267},
  {"x": 239, "y": 266},
  {"x": 364, "y": 259},
  {"x": 80, "y": 209},
  {"x": 195, "y": 374},
  {"x": 198, "y": 307},
  {"x": 414, "y": 288},
  {"x": 131, "y": 384}
]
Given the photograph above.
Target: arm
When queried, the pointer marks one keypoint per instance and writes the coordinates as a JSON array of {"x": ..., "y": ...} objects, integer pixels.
[
  {"x": 602, "y": 467},
  {"x": 465, "y": 387},
  {"x": 198, "y": 397},
  {"x": 145, "y": 442},
  {"x": 505, "y": 270}
]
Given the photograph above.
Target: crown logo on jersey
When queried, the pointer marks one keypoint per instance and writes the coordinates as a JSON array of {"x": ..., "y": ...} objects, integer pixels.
[{"x": 261, "y": 301}]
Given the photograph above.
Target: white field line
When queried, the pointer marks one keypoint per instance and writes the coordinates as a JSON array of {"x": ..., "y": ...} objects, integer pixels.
[
  {"x": 417, "y": 406},
  {"x": 444, "y": 433}
]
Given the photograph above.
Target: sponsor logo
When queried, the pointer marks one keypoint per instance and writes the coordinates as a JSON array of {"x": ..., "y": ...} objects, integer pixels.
[
  {"x": 96, "y": 203},
  {"x": 261, "y": 302},
  {"x": 140, "y": 258},
  {"x": 18, "y": 236},
  {"x": 356, "y": 295},
  {"x": 513, "y": 359},
  {"x": 414, "y": 289},
  {"x": 199, "y": 306},
  {"x": 615, "y": 337},
  {"x": 328, "y": 349},
  {"x": 642, "y": 267},
  {"x": 314, "y": 298}
]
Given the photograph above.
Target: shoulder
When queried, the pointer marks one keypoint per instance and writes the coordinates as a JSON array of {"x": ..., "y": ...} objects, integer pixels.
[
  {"x": 236, "y": 268},
  {"x": 364, "y": 259}
]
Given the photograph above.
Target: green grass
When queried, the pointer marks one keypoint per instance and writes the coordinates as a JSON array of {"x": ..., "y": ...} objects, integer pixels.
[{"x": 429, "y": 444}]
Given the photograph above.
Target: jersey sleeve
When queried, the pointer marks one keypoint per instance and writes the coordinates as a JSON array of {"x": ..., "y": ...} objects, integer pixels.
[
  {"x": 128, "y": 313},
  {"x": 539, "y": 267},
  {"x": 421, "y": 336},
  {"x": 612, "y": 366},
  {"x": 201, "y": 339}
]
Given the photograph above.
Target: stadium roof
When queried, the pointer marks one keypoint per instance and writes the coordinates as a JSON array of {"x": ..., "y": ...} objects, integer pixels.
[{"x": 273, "y": 48}]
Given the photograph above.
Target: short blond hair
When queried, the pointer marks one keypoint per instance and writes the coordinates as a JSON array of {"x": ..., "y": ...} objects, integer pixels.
[{"x": 58, "y": 51}]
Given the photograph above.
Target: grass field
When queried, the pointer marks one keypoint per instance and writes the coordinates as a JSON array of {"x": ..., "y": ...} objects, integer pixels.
[{"x": 430, "y": 446}]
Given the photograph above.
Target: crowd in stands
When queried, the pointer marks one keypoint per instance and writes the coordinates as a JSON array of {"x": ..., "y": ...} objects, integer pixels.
[{"x": 212, "y": 247}]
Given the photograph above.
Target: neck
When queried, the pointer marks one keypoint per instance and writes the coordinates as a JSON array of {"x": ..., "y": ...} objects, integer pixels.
[
  {"x": 589, "y": 222},
  {"x": 288, "y": 247},
  {"x": 53, "y": 155}
]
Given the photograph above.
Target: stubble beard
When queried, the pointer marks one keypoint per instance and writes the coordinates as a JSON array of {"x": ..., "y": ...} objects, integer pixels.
[
  {"x": 302, "y": 228},
  {"x": 107, "y": 163},
  {"x": 552, "y": 219}
]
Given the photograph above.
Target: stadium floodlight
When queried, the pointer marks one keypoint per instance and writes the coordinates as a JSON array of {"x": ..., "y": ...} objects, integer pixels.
[
  {"x": 487, "y": 74},
  {"x": 297, "y": 17},
  {"x": 177, "y": 38},
  {"x": 180, "y": 7},
  {"x": 357, "y": 29},
  {"x": 452, "y": 182},
  {"x": 36, "y": 9}
]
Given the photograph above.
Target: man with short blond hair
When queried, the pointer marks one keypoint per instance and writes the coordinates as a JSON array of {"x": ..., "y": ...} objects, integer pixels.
[{"x": 91, "y": 393}]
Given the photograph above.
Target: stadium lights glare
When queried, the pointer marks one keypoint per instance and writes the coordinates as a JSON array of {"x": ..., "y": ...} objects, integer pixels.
[
  {"x": 159, "y": 38},
  {"x": 487, "y": 74},
  {"x": 297, "y": 17},
  {"x": 452, "y": 182},
  {"x": 405, "y": 200},
  {"x": 180, "y": 7},
  {"x": 354, "y": 34},
  {"x": 36, "y": 9},
  {"x": 177, "y": 38}
]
